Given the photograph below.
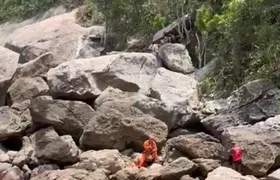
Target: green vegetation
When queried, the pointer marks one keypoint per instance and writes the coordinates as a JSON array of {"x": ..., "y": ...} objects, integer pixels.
[
  {"x": 243, "y": 34},
  {"x": 22, "y": 9}
]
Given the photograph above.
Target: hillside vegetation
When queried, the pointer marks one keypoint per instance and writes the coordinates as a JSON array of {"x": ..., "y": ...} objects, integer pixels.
[{"x": 242, "y": 34}]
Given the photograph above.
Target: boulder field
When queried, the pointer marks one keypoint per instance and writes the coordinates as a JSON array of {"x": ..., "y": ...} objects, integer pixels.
[{"x": 69, "y": 113}]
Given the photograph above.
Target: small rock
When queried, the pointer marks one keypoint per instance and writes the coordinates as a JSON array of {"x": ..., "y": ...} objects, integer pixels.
[
  {"x": 42, "y": 168},
  {"x": 177, "y": 169},
  {"x": 207, "y": 165},
  {"x": 274, "y": 176}
]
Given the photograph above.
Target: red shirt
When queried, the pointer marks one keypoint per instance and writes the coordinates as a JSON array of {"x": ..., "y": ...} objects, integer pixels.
[{"x": 236, "y": 153}]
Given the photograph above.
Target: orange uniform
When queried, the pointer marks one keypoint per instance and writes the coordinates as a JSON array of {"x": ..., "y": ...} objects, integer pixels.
[{"x": 150, "y": 149}]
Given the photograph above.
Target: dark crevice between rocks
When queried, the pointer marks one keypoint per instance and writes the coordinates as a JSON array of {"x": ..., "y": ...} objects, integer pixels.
[
  {"x": 8, "y": 100},
  {"x": 89, "y": 101},
  {"x": 12, "y": 143}
]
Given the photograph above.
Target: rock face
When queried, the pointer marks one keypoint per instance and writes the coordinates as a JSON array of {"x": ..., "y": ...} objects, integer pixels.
[
  {"x": 8, "y": 65},
  {"x": 252, "y": 103},
  {"x": 227, "y": 173},
  {"x": 175, "y": 88},
  {"x": 117, "y": 126},
  {"x": 11, "y": 123},
  {"x": 259, "y": 143},
  {"x": 197, "y": 145},
  {"x": 51, "y": 147},
  {"x": 27, "y": 88},
  {"x": 61, "y": 38},
  {"x": 176, "y": 58},
  {"x": 154, "y": 107},
  {"x": 71, "y": 174},
  {"x": 67, "y": 117},
  {"x": 110, "y": 160},
  {"x": 87, "y": 78}
]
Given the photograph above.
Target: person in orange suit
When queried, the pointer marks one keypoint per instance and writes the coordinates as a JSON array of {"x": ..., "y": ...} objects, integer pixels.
[{"x": 150, "y": 150}]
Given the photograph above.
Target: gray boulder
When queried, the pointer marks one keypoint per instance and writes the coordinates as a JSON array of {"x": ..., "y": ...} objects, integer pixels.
[
  {"x": 50, "y": 147},
  {"x": 154, "y": 107},
  {"x": 71, "y": 174},
  {"x": 109, "y": 160},
  {"x": 175, "y": 88},
  {"x": 261, "y": 151},
  {"x": 251, "y": 103},
  {"x": 198, "y": 145},
  {"x": 11, "y": 123},
  {"x": 176, "y": 58},
  {"x": 27, "y": 88},
  {"x": 8, "y": 64},
  {"x": 87, "y": 78},
  {"x": 67, "y": 117},
  {"x": 116, "y": 126},
  {"x": 227, "y": 173}
]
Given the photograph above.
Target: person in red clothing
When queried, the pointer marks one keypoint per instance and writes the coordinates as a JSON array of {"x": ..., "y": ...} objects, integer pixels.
[
  {"x": 236, "y": 154},
  {"x": 150, "y": 150}
]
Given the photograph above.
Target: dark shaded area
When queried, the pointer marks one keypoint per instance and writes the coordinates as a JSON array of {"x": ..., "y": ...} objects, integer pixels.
[{"x": 12, "y": 143}]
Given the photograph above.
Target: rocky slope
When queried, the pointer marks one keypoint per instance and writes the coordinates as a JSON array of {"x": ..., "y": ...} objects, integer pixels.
[{"x": 68, "y": 113}]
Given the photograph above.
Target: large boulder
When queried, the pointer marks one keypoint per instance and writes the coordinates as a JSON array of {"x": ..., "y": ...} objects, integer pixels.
[
  {"x": 117, "y": 126},
  {"x": 198, "y": 145},
  {"x": 109, "y": 160},
  {"x": 175, "y": 88},
  {"x": 227, "y": 173},
  {"x": 87, "y": 78},
  {"x": 13, "y": 173},
  {"x": 61, "y": 38},
  {"x": 251, "y": 103},
  {"x": 67, "y": 117},
  {"x": 27, "y": 88},
  {"x": 8, "y": 66},
  {"x": 50, "y": 147},
  {"x": 261, "y": 150},
  {"x": 11, "y": 123},
  {"x": 175, "y": 170},
  {"x": 176, "y": 58},
  {"x": 154, "y": 107},
  {"x": 71, "y": 174}
]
